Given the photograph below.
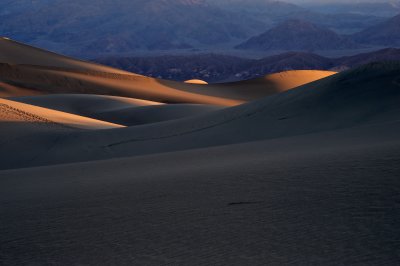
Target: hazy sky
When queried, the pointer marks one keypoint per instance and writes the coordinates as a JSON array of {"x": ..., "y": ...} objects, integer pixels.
[{"x": 340, "y": 1}]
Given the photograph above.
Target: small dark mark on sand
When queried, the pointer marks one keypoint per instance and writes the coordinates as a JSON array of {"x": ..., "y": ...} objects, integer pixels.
[{"x": 243, "y": 203}]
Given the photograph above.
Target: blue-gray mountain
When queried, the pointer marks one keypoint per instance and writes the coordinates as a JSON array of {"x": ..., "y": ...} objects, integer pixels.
[
  {"x": 386, "y": 33},
  {"x": 96, "y": 27},
  {"x": 298, "y": 35}
]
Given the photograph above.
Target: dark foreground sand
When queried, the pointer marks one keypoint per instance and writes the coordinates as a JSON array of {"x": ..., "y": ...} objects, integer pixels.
[
  {"x": 301, "y": 176},
  {"x": 326, "y": 199}
]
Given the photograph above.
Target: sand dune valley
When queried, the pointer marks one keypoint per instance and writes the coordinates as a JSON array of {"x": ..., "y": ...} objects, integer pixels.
[{"x": 101, "y": 166}]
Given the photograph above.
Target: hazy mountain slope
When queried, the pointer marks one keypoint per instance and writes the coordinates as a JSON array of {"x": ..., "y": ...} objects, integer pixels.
[
  {"x": 271, "y": 12},
  {"x": 343, "y": 23},
  {"x": 297, "y": 35},
  {"x": 386, "y": 33},
  {"x": 376, "y": 8}
]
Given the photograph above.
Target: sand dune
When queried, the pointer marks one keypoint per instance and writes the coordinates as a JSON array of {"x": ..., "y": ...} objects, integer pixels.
[
  {"x": 307, "y": 175},
  {"x": 17, "y": 112},
  {"x": 349, "y": 99},
  {"x": 253, "y": 89},
  {"x": 36, "y": 71},
  {"x": 50, "y": 80},
  {"x": 7, "y": 90}
]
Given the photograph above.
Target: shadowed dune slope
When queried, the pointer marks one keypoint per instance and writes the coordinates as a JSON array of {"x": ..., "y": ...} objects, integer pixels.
[
  {"x": 327, "y": 198},
  {"x": 33, "y": 71},
  {"x": 153, "y": 114},
  {"x": 253, "y": 89},
  {"x": 16, "y": 53},
  {"x": 7, "y": 90},
  {"x": 119, "y": 110},
  {"x": 366, "y": 95}
]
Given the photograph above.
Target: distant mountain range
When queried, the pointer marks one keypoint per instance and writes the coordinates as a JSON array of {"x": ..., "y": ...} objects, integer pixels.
[
  {"x": 107, "y": 27},
  {"x": 222, "y": 68},
  {"x": 120, "y": 26}
]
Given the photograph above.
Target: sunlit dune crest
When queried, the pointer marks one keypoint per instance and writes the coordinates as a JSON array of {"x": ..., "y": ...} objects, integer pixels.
[
  {"x": 295, "y": 78},
  {"x": 20, "y": 112},
  {"x": 253, "y": 89},
  {"x": 196, "y": 81}
]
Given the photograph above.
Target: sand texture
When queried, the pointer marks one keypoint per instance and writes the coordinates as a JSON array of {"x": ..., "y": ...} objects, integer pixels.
[{"x": 105, "y": 167}]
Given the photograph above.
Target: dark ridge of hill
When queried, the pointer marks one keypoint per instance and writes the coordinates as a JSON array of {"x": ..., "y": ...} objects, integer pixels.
[{"x": 222, "y": 68}]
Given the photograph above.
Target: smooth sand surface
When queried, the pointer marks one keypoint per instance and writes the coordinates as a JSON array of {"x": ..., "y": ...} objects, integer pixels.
[
  {"x": 301, "y": 176},
  {"x": 119, "y": 110},
  {"x": 325, "y": 199}
]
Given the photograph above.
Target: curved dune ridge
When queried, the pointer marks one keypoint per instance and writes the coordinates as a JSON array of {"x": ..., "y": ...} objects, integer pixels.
[
  {"x": 83, "y": 103},
  {"x": 253, "y": 89},
  {"x": 32, "y": 71},
  {"x": 22, "y": 112},
  {"x": 119, "y": 110}
]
